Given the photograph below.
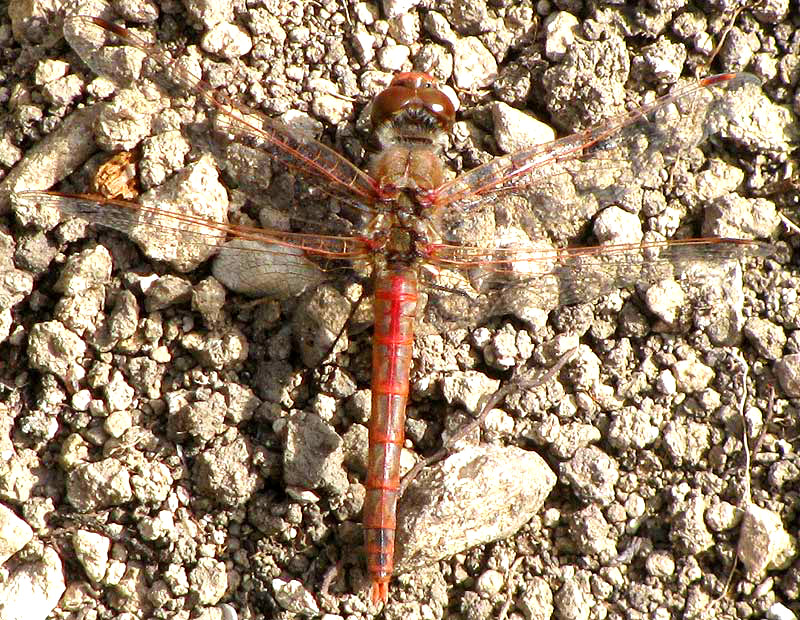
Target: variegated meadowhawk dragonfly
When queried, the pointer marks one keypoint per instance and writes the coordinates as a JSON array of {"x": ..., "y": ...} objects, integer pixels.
[{"x": 403, "y": 219}]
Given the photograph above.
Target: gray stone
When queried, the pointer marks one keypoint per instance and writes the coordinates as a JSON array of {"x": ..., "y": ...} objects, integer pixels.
[
  {"x": 592, "y": 474},
  {"x": 118, "y": 394},
  {"x": 82, "y": 311},
  {"x": 687, "y": 441},
  {"x": 214, "y": 350},
  {"x": 203, "y": 419},
  {"x": 226, "y": 474},
  {"x": 32, "y": 590},
  {"x": 660, "y": 564},
  {"x": 515, "y": 130},
  {"x": 663, "y": 59},
  {"x": 208, "y": 298},
  {"x": 767, "y": 337},
  {"x": 317, "y": 323},
  {"x": 194, "y": 193},
  {"x": 92, "y": 486},
  {"x": 151, "y": 482},
  {"x": 294, "y": 598},
  {"x": 208, "y": 580},
  {"x": 536, "y": 602},
  {"x": 574, "y": 600},
  {"x": 763, "y": 542},
  {"x": 778, "y": 611},
  {"x": 468, "y": 388},
  {"x": 689, "y": 527},
  {"x": 616, "y": 226},
  {"x": 733, "y": 215},
  {"x": 162, "y": 155},
  {"x": 474, "y": 65},
  {"x": 127, "y": 119},
  {"x": 227, "y": 41},
  {"x": 722, "y": 516},
  {"x": 48, "y": 162},
  {"x": 666, "y": 300},
  {"x": 691, "y": 375},
  {"x": 591, "y": 533},
  {"x": 92, "y": 550},
  {"x": 490, "y": 582},
  {"x": 572, "y": 437},
  {"x": 15, "y": 533},
  {"x": 54, "y": 348},
  {"x": 560, "y": 30},
  {"x": 787, "y": 369},
  {"x": 124, "y": 318},
  {"x": 313, "y": 455},
  {"x": 168, "y": 290},
  {"x": 477, "y": 495},
  {"x": 85, "y": 270}
]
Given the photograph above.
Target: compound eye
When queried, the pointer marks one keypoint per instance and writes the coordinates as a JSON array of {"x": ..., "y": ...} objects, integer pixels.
[
  {"x": 410, "y": 91},
  {"x": 414, "y": 80}
]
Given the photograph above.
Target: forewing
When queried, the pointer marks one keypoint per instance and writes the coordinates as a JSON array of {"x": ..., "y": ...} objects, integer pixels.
[
  {"x": 253, "y": 260},
  {"x": 264, "y": 140},
  {"x": 555, "y": 188}
]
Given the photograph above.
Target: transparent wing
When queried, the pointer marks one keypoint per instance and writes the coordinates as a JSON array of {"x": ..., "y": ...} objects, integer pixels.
[
  {"x": 251, "y": 260},
  {"x": 122, "y": 215},
  {"x": 579, "y": 174},
  {"x": 93, "y": 38},
  {"x": 515, "y": 280}
]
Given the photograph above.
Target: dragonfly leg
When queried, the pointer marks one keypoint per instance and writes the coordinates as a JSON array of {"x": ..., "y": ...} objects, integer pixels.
[
  {"x": 347, "y": 323},
  {"x": 494, "y": 400}
]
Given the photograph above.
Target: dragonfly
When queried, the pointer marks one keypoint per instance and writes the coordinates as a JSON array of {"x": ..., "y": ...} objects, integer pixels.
[{"x": 403, "y": 220}]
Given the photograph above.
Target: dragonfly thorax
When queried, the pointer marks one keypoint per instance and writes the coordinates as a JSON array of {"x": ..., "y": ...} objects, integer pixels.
[
  {"x": 407, "y": 173},
  {"x": 405, "y": 243}
]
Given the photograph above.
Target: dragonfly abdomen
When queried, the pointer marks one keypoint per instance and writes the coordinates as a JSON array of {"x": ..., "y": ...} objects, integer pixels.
[{"x": 395, "y": 308}]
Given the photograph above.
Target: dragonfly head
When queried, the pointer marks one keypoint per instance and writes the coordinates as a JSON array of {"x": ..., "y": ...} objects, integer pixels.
[{"x": 413, "y": 103}]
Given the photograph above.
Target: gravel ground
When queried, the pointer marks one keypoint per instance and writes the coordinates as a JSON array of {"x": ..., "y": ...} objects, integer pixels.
[{"x": 172, "y": 450}]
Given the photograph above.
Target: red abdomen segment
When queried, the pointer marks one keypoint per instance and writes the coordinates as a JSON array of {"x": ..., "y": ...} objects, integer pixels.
[{"x": 395, "y": 308}]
